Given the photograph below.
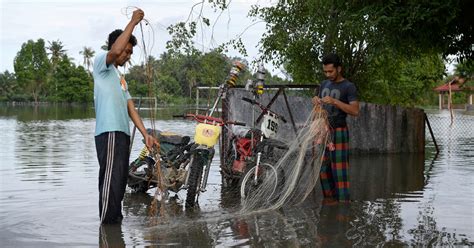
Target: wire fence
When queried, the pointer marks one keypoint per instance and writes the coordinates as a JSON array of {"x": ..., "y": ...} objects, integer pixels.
[{"x": 456, "y": 132}]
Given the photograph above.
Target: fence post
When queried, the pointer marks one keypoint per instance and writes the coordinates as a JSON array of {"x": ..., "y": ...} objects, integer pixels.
[
  {"x": 197, "y": 99},
  {"x": 432, "y": 135}
]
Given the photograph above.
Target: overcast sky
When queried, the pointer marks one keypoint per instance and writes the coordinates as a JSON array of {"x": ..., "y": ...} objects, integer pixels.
[{"x": 88, "y": 22}]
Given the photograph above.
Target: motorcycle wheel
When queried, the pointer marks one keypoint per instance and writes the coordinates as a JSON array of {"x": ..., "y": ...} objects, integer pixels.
[
  {"x": 195, "y": 173},
  {"x": 137, "y": 176},
  {"x": 266, "y": 173}
]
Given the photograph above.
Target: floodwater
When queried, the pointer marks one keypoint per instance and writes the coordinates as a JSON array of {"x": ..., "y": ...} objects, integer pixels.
[{"x": 49, "y": 195}]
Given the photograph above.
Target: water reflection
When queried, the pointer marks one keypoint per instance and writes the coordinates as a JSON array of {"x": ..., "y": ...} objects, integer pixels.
[
  {"x": 375, "y": 224},
  {"x": 111, "y": 236},
  {"x": 78, "y": 111},
  {"x": 334, "y": 222},
  {"x": 269, "y": 229},
  {"x": 378, "y": 224},
  {"x": 44, "y": 150},
  {"x": 168, "y": 224},
  {"x": 48, "y": 112},
  {"x": 384, "y": 176},
  {"x": 179, "y": 228}
]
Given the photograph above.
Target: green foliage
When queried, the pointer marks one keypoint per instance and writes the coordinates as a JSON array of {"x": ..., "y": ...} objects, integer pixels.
[
  {"x": 177, "y": 75},
  {"x": 466, "y": 69},
  {"x": 404, "y": 81},
  {"x": 137, "y": 80},
  {"x": 299, "y": 33},
  {"x": 220, "y": 4},
  {"x": 273, "y": 79},
  {"x": 8, "y": 86},
  {"x": 73, "y": 83},
  {"x": 55, "y": 79},
  {"x": 172, "y": 78},
  {"x": 236, "y": 44},
  {"x": 433, "y": 26},
  {"x": 393, "y": 50},
  {"x": 182, "y": 34},
  {"x": 214, "y": 68},
  {"x": 168, "y": 85},
  {"x": 32, "y": 66},
  {"x": 390, "y": 49},
  {"x": 56, "y": 51}
]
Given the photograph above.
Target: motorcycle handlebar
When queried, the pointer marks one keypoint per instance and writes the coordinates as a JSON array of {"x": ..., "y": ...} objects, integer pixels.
[{"x": 204, "y": 118}]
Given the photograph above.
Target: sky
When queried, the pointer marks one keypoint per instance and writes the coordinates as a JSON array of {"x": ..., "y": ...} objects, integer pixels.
[{"x": 88, "y": 22}]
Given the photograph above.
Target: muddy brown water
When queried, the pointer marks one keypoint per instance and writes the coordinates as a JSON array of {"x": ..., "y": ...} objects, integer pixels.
[{"x": 49, "y": 196}]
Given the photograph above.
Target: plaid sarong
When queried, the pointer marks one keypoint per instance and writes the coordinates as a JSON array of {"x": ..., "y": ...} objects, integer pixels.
[{"x": 334, "y": 174}]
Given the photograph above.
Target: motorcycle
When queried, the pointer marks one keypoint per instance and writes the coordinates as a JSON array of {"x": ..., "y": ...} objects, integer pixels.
[
  {"x": 184, "y": 165},
  {"x": 253, "y": 153},
  {"x": 266, "y": 154},
  {"x": 175, "y": 155},
  {"x": 206, "y": 136}
]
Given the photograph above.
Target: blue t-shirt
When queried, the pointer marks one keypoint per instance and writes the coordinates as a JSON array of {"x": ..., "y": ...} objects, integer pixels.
[
  {"x": 110, "y": 98},
  {"x": 344, "y": 91}
]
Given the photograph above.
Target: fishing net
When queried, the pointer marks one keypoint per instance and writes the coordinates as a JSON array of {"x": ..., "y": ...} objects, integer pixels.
[{"x": 297, "y": 171}]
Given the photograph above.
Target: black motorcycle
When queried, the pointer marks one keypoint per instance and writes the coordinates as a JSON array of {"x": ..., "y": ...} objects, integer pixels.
[{"x": 175, "y": 154}]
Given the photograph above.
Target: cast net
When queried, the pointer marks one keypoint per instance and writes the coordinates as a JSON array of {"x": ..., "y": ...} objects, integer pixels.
[{"x": 297, "y": 171}]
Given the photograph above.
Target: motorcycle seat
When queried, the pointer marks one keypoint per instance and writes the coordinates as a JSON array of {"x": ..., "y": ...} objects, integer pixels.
[{"x": 170, "y": 137}]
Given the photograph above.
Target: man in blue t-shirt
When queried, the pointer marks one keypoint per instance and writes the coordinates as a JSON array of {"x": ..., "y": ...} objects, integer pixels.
[
  {"x": 114, "y": 108},
  {"x": 339, "y": 98}
]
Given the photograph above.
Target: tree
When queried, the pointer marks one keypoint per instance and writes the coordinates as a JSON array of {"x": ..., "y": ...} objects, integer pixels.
[
  {"x": 371, "y": 36},
  {"x": 299, "y": 33},
  {"x": 211, "y": 74},
  {"x": 88, "y": 54},
  {"x": 466, "y": 69},
  {"x": 384, "y": 45},
  {"x": 444, "y": 27},
  {"x": 175, "y": 75},
  {"x": 137, "y": 78},
  {"x": 398, "y": 80},
  {"x": 8, "y": 85},
  {"x": 74, "y": 83},
  {"x": 32, "y": 66},
  {"x": 408, "y": 26},
  {"x": 56, "y": 51},
  {"x": 184, "y": 68}
]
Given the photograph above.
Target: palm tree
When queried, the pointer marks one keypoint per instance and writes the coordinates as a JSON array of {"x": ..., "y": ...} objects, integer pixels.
[
  {"x": 57, "y": 51},
  {"x": 88, "y": 53}
]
